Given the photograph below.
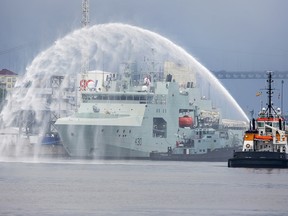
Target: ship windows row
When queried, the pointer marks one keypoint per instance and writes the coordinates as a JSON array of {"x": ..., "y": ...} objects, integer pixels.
[{"x": 141, "y": 98}]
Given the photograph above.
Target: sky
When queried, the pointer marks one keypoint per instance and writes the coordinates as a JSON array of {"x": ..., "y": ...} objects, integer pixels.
[{"x": 230, "y": 35}]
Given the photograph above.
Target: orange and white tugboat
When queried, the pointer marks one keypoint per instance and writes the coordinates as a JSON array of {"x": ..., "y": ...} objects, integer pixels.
[{"x": 265, "y": 143}]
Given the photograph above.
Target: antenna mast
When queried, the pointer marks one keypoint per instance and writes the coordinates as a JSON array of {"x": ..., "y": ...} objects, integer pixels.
[
  {"x": 85, "y": 23},
  {"x": 85, "y": 13},
  {"x": 270, "y": 93}
]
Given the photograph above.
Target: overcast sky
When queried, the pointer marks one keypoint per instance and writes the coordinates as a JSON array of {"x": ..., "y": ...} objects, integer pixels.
[{"x": 231, "y": 35}]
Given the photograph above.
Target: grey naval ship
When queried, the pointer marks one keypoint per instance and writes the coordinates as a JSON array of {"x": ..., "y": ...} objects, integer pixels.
[{"x": 134, "y": 116}]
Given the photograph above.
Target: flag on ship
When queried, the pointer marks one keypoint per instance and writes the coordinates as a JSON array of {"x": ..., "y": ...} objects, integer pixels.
[{"x": 258, "y": 94}]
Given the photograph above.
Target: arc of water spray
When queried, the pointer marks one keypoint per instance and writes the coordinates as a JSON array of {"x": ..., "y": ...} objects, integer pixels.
[
  {"x": 119, "y": 42},
  {"x": 206, "y": 72}
]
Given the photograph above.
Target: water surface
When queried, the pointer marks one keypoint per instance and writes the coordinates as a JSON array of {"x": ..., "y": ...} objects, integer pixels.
[{"x": 74, "y": 187}]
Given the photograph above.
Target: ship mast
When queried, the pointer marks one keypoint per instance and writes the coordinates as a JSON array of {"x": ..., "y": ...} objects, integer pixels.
[
  {"x": 85, "y": 13},
  {"x": 85, "y": 23},
  {"x": 270, "y": 92},
  {"x": 85, "y": 53}
]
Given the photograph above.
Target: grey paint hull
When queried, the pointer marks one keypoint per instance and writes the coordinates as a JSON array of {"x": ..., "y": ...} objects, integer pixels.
[{"x": 109, "y": 142}]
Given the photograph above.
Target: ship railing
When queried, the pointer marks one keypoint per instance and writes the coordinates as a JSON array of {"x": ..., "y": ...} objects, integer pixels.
[{"x": 279, "y": 136}]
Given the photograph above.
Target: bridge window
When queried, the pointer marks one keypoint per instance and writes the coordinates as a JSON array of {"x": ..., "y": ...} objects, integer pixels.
[
  {"x": 123, "y": 97},
  {"x": 276, "y": 124}
]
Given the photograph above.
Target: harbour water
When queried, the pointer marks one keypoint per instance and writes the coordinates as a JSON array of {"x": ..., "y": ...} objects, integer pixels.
[{"x": 113, "y": 187}]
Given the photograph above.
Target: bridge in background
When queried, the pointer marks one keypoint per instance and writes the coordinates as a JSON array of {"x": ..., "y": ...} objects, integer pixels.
[{"x": 249, "y": 75}]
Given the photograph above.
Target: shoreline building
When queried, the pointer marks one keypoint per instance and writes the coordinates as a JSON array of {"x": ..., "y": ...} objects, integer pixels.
[
  {"x": 7, "y": 83},
  {"x": 7, "y": 79}
]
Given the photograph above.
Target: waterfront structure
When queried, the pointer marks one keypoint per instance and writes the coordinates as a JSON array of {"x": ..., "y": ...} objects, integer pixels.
[{"x": 7, "y": 79}]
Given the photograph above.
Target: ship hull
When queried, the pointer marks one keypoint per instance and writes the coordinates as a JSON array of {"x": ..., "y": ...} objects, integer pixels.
[
  {"x": 259, "y": 160},
  {"x": 107, "y": 142},
  {"x": 217, "y": 155},
  {"x": 111, "y": 142}
]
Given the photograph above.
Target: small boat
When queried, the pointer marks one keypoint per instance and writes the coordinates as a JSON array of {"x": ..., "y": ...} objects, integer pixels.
[
  {"x": 51, "y": 138},
  {"x": 200, "y": 144},
  {"x": 265, "y": 143}
]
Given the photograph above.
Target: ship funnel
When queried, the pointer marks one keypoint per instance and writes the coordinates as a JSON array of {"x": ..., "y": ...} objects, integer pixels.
[
  {"x": 168, "y": 78},
  {"x": 253, "y": 124}
]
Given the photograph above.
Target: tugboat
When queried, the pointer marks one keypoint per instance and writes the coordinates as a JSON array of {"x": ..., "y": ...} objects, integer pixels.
[{"x": 265, "y": 143}]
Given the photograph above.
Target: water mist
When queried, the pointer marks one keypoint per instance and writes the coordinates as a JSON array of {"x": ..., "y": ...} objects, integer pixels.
[{"x": 107, "y": 46}]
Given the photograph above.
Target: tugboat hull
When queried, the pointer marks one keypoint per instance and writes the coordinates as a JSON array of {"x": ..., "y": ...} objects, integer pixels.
[{"x": 259, "y": 160}]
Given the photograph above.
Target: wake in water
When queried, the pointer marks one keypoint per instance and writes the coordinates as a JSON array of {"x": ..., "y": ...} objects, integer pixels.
[{"x": 106, "y": 46}]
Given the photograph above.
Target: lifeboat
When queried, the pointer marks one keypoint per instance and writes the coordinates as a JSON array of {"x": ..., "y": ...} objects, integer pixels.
[
  {"x": 185, "y": 121},
  {"x": 261, "y": 137}
]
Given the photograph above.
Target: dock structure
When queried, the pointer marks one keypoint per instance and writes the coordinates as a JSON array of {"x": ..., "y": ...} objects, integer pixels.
[{"x": 249, "y": 74}]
